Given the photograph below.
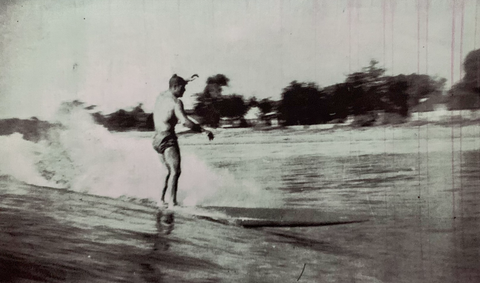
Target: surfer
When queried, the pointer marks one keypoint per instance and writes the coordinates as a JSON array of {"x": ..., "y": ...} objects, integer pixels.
[{"x": 167, "y": 113}]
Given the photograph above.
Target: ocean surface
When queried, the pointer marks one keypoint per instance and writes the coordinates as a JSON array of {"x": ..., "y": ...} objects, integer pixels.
[
  {"x": 82, "y": 207},
  {"x": 422, "y": 198}
]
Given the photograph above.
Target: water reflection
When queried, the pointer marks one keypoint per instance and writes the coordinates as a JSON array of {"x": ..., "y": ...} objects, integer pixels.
[
  {"x": 165, "y": 222},
  {"x": 150, "y": 270}
]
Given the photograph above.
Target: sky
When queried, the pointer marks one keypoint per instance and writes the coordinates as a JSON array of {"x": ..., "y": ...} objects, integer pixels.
[{"x": 119, "y": 53}]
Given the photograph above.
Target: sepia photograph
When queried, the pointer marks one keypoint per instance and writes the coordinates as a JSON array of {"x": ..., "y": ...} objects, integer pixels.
[{"x": 239, "y": 141}]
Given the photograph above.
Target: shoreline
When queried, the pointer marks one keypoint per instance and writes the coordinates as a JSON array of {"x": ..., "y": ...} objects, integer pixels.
[{"x": 391, "y": 138}]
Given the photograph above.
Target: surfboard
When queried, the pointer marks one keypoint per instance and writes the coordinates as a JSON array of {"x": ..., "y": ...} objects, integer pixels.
[{"x": 268, "y": 217}]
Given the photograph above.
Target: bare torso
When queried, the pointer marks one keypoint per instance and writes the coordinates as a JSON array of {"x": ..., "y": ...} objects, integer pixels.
[{"x": 164, "y": 114}]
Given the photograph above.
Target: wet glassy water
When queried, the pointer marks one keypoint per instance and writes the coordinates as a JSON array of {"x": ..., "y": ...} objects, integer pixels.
[{"x": 422, "y": 199}]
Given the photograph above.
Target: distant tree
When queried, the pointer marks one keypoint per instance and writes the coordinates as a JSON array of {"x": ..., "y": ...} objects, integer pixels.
[
  {"x": 252, "y": 102},
  {"x": 205, "y": 108},
  {"x": 138, "y": 110},
  {"x": 120, "y": 120},
  {"x": 362, "y": 94},
  {"x": 303, "y": 104},
  {"x": 421, "y": 86},
  {"x": 339, "y": 98},
  {"x": 208, "y": 102},
  {"x": 466, "y": 93},
  {"x": 149, "y": 124},
  {"x": 266, "y": 105},
  {"x": 215, "y": 84},
  {"x": 231, "y": 106},
  {"x": 395, "y": 99},
  {"x": 99, "y": 118},
  {"x": 31, "y": 129},
  {"x": 471, "y": 65},
  {"x": 365, "y": 88},
  {"x": 370, "y": 90}
]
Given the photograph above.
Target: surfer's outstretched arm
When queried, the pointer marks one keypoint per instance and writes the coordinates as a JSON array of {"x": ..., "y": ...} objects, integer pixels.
[{"x": 187, "y": 122}]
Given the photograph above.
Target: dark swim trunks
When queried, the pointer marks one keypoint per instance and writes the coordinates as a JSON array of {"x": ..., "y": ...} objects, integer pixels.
[{"x": 161, "y": 144}]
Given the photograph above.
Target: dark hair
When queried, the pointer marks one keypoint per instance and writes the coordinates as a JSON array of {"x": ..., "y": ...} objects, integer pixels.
[{"x": 176, "y": 81}]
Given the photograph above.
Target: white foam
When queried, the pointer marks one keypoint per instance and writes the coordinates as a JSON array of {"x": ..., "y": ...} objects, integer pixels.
[
  {"x": 19, "y": 158},
  {"x": 86, "y": 157}
]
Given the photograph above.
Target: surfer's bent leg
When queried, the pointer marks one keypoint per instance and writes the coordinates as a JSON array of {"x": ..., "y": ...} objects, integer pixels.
[{"x": 172, "y": 160}]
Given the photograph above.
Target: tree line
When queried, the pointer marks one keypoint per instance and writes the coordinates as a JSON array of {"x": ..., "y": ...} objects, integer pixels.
[
  {"x": 306, "y": 103},
  {"x": 361, "y": 94}
]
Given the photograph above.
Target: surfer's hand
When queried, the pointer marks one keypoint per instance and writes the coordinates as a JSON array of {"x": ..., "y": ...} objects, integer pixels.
[{"x": 210, "y": 135}]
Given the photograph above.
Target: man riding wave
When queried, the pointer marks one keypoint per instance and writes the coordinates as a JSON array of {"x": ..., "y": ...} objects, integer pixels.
[{"x": 167, "y": 113}]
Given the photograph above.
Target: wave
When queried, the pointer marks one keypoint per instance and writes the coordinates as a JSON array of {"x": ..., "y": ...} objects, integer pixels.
[{"x": 82, "y": 156}]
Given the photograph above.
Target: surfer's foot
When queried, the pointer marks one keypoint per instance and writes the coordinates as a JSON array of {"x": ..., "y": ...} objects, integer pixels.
[
  {"x": 166, "y": 205},
  {"x": 173, "y": 204},
  {"x": 163, "y": 204}
]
